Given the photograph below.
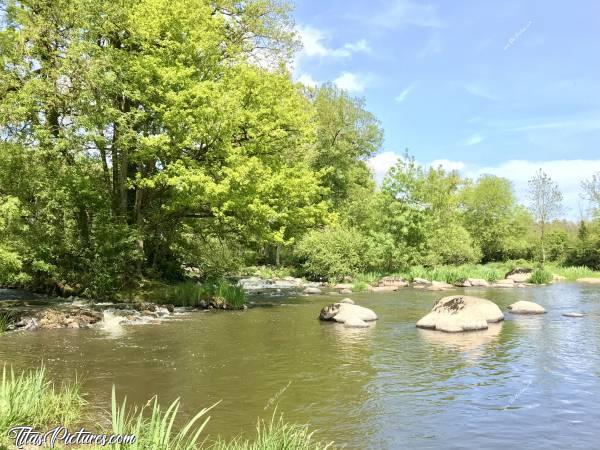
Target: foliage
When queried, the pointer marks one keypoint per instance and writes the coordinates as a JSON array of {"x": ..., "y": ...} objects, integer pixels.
[
  {"x": 545, "y": 203},
  {"x": 30, "y": 398},
  {"x": 540, "y": 276},
  {"x": 333, "y": 253},
  {"x": 6, "y": 319}
]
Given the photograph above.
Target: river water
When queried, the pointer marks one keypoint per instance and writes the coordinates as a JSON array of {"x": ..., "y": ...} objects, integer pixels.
[{"x": 531, "y": 382}]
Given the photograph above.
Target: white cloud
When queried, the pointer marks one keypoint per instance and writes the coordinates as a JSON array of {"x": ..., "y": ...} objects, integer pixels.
[
  {"x": 351, "y": 82},
  {"x": 381, "y": 163},
  {"x": 407, "y": 12},
  {"x": 400, "y": 98},
  {"x": 308, "y": 80},
  {"x": 314, "y": 45},
  {"x": 474, "y": 139}
]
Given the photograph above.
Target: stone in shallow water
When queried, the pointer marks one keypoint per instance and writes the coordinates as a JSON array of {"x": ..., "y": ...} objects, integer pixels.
[
  {"x": 347, "y": 300},
  {"x": 312, "y": 290},
  {"x": 574, "y": 314},
  {"x": 342, "y": 312},
  {"x": 461, "y": 313},
  {"x": 525, "y": 307},
  {"x": 354, "y": 322}
]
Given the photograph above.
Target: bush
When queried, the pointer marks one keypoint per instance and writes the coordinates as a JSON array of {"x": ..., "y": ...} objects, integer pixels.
[
  {"x": 540, "y": 276},
  {"x": 332, "y": 253}
]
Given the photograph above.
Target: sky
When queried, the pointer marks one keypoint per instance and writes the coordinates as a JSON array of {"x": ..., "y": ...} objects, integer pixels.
[{"x": 503, "y": 87}]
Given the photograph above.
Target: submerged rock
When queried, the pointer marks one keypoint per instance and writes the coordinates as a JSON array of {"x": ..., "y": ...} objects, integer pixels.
[
  {"x": 574, "y": 314},
  {"x": 525, "y": 307},
  {"x": 461, "y": 313},
  {"x": 479, "y": 282},
  {"x": 342, "y": 312},
  {"x": 348, "y": 301},
  {"x": 382, "y": 288},
  {"x": 346, "y": 291},
  {"x": 507, "y": 283},
  {"x": 312, "y": 290}
]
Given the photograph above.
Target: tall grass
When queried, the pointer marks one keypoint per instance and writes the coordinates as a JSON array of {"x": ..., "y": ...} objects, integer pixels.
[
  {"x": 193, "y": 294},
  {"x": 574, "y": 272},
  {"x": 6, "y": 319},
  {"x": 453, "y": 274},
  {"x": 275, "y": 435},
  {"x": 540, "y": 276},
  {"x": 30, "y": 399},
  {"x": 155, "y": 430}
]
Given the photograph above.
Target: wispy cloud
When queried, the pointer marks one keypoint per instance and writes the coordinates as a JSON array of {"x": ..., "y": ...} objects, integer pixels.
[
  {"x": 401, "y": 13},
  {"x": 478, "y": 90},
  {"x": 402, "y": 96},
  {"x": 351, "y": 82},
  {"x": 575, "y": 125},
  {"x": 474, "y": 139}
]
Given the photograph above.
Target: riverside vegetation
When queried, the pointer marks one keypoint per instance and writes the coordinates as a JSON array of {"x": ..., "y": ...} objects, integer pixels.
[
  {"x": 31, "y": 398},
  {"x": 144, "y": 138}
]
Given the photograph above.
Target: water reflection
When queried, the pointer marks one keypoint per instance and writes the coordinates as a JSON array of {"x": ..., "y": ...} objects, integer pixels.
[{"x": 522, "y": 382}]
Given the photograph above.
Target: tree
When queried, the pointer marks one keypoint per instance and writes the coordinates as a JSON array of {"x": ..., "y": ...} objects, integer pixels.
[
  {"x": 489, "y": 207},
  {"x": 545, "y": 203},
  {"x": 591, "y": 191}
]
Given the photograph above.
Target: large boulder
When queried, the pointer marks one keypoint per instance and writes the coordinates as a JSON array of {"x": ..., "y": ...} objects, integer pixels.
[
  {"x": 519, "y": 275},
  {"x": 461, "y": 313},
  {"x": 342, "y": 312},
  {"x": 355, "y": 322},
  {"x": 525, "y": 307}
]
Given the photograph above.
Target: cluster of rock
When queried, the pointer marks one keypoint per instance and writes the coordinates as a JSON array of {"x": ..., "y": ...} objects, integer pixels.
[
  {"x": 348, "y": 313},
  {"x": 88, "y": 316},
  {"x": 464, "y": 313},
  {"x": 257, "y": 285}
]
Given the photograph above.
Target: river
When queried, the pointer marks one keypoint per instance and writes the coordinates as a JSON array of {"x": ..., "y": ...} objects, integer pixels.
[{"x": 531, "y": 382}]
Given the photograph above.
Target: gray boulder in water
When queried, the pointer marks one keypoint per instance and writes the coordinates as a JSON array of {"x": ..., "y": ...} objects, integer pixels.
[
  {"x": 312, "y": 290},
  {"x": 461, "y": 313},
  {"x": 525, "y": 307},
  {"x": 343, "y": 312}
]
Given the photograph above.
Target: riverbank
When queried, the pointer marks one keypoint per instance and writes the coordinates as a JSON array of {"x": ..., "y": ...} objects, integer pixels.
[{"x": 30, "y": 398}]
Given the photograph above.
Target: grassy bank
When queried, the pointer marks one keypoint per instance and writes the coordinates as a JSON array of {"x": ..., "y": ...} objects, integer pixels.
[
  {"x": 490, "y": 272},
  {"x": 30, "y": 398}
]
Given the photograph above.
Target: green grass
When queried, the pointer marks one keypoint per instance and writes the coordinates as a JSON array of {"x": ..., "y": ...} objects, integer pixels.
[
  {"x": 453, "y": 274},
  {"x": 573, "y": 273},
  {"x": 191, "y": 294},
  {"x": 6, "y": 319},
  {"x": 541, "y": 276},
  {"x": 155, "y": 430},
  {"x": 275, "y": 435},
  {"x": 31, "y": 399}
]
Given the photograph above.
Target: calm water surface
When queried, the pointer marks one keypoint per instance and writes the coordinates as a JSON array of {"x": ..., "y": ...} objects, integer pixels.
[{"x": 528, "y": 383}]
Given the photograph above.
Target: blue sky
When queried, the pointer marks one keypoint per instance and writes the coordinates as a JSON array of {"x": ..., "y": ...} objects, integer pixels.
[{"x": 500, "y": 87}]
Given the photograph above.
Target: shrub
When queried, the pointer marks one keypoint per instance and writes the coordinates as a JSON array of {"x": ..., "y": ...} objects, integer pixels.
[
  {"x": 332, "y": 253},
  {"x": 540, "y": 276},
  {"x": 191, "y": 294}
]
